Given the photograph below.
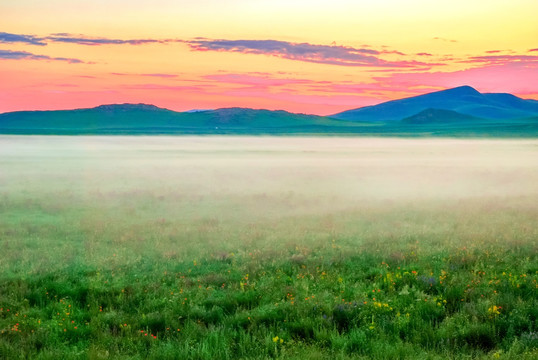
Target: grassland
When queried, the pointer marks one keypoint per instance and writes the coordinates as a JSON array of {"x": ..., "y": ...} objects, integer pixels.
[{"x": 253, "y": 247}]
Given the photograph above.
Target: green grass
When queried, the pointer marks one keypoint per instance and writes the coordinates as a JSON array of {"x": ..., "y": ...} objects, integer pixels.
[{"x": 217, "y": 248}]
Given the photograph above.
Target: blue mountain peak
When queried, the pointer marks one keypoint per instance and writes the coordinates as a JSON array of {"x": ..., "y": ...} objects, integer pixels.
[{"x": 461, "y": 90}]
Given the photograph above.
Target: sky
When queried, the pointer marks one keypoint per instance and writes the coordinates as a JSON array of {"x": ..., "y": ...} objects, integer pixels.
[{"x": 305, "y": 56}]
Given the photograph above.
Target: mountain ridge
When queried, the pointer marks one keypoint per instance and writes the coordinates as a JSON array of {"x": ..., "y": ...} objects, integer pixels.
[
  {"x": 462, "y": 99},
  {"x": 433, "y": 115},
  {"x": 460, "y": 111}
]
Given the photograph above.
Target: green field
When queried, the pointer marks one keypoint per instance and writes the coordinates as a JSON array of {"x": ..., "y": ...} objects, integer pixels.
[{"x": 268, "y": 247}]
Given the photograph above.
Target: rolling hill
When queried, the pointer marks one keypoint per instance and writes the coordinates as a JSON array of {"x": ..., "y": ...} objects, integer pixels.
[
  {"x": 149, "y": 119},
  {"x": 460, "y": 111},
  {"x": 439, "y": 116}
]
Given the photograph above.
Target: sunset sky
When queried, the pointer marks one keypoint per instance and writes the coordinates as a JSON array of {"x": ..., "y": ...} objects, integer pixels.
[{"x": 309, "y": 56}]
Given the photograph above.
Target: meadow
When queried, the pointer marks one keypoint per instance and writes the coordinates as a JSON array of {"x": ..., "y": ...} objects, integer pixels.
[{"x": 268, "y": 247}]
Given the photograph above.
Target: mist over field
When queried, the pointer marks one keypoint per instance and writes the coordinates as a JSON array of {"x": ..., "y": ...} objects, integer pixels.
[
  {"x": 327, "y": 173},
  {"x": 239, "y": 182},
  {"x": 217, "y": 246}
]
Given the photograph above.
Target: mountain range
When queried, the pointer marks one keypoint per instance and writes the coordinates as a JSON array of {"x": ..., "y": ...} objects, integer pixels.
[
  {"x": 461, "y": 111},
  {"x": 463, "y": 99}
]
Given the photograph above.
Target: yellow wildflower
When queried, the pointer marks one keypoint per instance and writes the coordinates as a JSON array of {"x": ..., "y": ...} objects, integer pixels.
[{"x": 494, "y": 310}]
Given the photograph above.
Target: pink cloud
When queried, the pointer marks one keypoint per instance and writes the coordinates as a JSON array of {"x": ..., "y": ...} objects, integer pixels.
[
  {"x": 158, "y": 75},
  {"x": 501, "y": 59},
  {"x": 162, "y": 87}
]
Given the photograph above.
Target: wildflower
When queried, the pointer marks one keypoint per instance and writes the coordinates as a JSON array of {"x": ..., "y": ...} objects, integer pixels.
[
  {"x": 494, "y": 310},
  {"x": 275, "y": 339}
]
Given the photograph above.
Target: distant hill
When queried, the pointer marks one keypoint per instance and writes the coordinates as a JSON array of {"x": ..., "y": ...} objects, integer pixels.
[
  {"x": 251, "y": 118},
  {"x": 461, "y": 111},
  {"x": 149, "y": 119},
  {"x": 463, "y": 99},
  {"x": 439, "y": 116}
]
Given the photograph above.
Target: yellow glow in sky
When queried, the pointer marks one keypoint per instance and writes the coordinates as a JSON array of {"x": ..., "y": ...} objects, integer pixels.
[{"x": 308, "y": 56}]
